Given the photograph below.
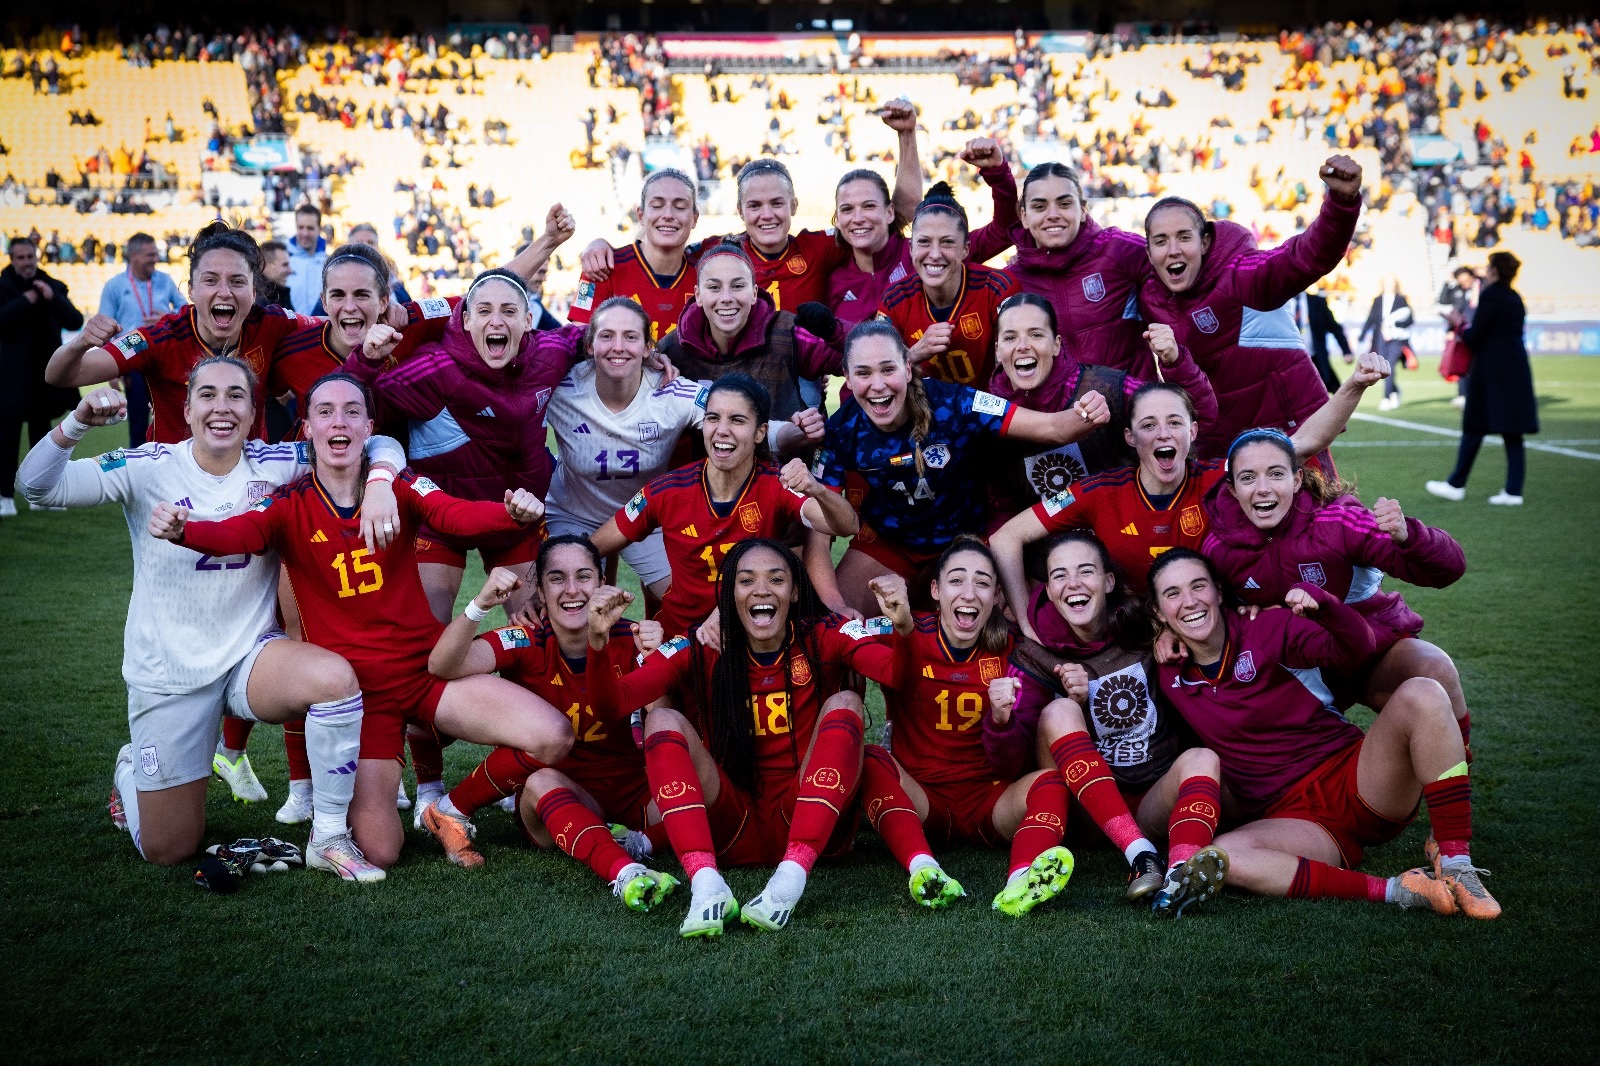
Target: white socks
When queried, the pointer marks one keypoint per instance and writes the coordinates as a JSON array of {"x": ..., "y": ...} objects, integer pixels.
[
  {"x": 446, "y": 807},
  {"x": 706, "y": 883},
  {"x": 333, "y": 745},
  {"x": 126, "y": 788},
  {"x": 1142, "y": 844},
  {"x": 918, "y": 862},
  {"x": 787, "y": 884},
  {"x": 429, "y": 792},
  {"x": 300, "y": 789}
]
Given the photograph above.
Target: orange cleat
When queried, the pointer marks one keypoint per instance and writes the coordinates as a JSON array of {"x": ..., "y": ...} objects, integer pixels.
[
  {"x": 1470, "y": 895},
  {"x": 454, "y": 834},
  {"x": 1419, "y": 888}
]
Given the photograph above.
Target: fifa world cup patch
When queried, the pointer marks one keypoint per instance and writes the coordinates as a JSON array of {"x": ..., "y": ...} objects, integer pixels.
[
  {"x": 112, "y": 460},
  {"x": 585, "y": 297},
  {"x": 1054, "y": 505},
  {"x": 635, "y": 507},
  {"x": 987, "y": 403},
  {"x": 513, "y": 637},
  {"x": 855, "y": 630},
  {"x": 434, "y": 307},
  {"x": 422, "y": 486},
  {"x": 673, "y": 647},
  {"x": 130, "y": 343},
  {"x": 878, "y": 626}
]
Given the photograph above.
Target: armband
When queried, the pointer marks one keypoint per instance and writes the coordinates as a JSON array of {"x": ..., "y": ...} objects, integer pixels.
[
  {"x": 71, "y": 428},
  {"x": 474, "y": 612}
]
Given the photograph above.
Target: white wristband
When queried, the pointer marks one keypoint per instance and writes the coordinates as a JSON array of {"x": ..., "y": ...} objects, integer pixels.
[
  {"x": 474, "y": 612},
  {"x": 72, "y": 429},
  {"x": 379, "y": 473}
]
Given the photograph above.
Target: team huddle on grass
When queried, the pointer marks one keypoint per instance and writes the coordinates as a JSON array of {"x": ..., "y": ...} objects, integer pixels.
[{"x": 1099, "y": 556}]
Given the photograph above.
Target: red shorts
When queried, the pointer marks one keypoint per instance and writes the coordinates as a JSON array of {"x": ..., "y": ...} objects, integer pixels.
[
  {"x": 754, "y": 830},
  {"x": 521, "y": 553},
  {"x": 387, "y": 711},
  {"x": 619, "y": 787},
  {"x": 961, "y": 813},
  {"x": 1328, "y": 796},
  {"x": 907, "y": 562}
]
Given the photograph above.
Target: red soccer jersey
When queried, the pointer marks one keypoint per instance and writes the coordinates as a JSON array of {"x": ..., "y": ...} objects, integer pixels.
[
  {"x": 1133, "y": 529},
  {"x": 367, "y": 606},
  {"x": 799, "y": 273},
  {"x": 167, "y": 351},
  {"x": 632, "y": 277},
  {"x": 785, "y": 704},
  {"x": 696, "y": 536},
  {"x": 532, "y": 658},
  {"x": 970, "y": 357},
  {"x": 936, "y": 706}
]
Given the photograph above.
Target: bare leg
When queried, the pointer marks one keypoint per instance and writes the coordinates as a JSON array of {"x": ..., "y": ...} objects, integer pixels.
[
  {"x": 855, "y": 570},
  {"x": 1263, "y": 856},
  {"x": 441, "y": 582},
  {"x": 374, "y": 821}
]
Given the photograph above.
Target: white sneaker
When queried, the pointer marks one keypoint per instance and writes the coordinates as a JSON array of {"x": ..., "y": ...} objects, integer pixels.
[
  {"x": 296, "y": 810},
  {"x": 8, "y": 507},
  {"x": 1505, "y": 499},
  {"x": 1389, "y": 403},
  {"x": 1446, "y": 491},
  {"x": 240, "y": 778},
  {"x": 508, "y": 804},
  {"x": 119, "y": 814},
  {"x": 1458, "y": 402},
  {"x": 402, "y": 802},
  {"x": 341, "y": 856}
]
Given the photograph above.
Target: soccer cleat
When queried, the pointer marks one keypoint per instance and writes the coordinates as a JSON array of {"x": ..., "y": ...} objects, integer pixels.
[
  {"x": 296, "y": 810},
  {"x": 1042, "y": 881},
  {"x": 402, "y": 802},
  {"x": 1445, "y": 491},
  {"x": 277, "y": 855},
  {"x": 1430, "y": 852},
  {"x": 1419, "y": 888},
  {"x": 340, "y": 855},
  {"x": 8, "y": 507},
  {"x": 1193, "y": 881},
  {"x": 1469, "y": 893},
  {"x": 424, "y": 800},
  {"x": 1145, "y": 877},
  {"x": 1505, "y": 499},
  {"x": 239, "y": 777},
  {"x": 635, "y": 843},
  {"x": 707, "y": 917},
  {"x": 640, "y": 888},
  {"x": 762, "y": 913},
  {"x": 508, "y": 804},
  {"x": 455, "y": 834},
  {"x": 933, "y": 888},
  {"x": 119, "y": 816}
]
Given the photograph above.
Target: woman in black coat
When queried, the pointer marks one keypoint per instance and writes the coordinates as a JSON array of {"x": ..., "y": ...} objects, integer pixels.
[
  {"x": 1500, "y": 396},
  {"x": 34, "y": 309}
]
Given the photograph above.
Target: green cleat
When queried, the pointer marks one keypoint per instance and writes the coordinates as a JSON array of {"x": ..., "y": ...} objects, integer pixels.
[
  {"x": 641, "y": 888},
  {"x": 1193, "y": 881},
  {"x": 933, "y": 888},
  {"x": 1043, "y": 881},
  {"x": 765, "y": 914},
  {"x": 707, "y": 917}
]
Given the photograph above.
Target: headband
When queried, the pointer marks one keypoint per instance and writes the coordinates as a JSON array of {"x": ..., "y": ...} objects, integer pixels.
[
  {"x": 1256, "y": 436},
  {"x": 527, "y": 301}
]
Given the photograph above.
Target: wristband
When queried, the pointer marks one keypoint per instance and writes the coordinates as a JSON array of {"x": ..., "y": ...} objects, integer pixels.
[
  {"x": 71, "y": 428},
  {"x": 474, "y": 612},
  {"x": 378, "y": 473}
]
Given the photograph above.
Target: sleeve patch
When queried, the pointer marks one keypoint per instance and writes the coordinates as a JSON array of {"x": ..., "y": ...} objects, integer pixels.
[
  {"x": 673, "y": 647},
  {"x": 1054, "y": 505},
  {"x": 987, "y": 403},
  {"x": 422, "y": 486},
  {"x": 512, "y": 637},
  {"x": 584, "y": 299},
  {"x": 434, "y": 307},
  {"x": 113, "y": 460},
  {"x": 635, "y": 507},
  {"x": 854, "y": 630},
  {"x": 302, "y": 453},
  {"x": 130, "y": 343},
  {"x": 879, "y": 626},
  {"x": 700, "y": 397}
]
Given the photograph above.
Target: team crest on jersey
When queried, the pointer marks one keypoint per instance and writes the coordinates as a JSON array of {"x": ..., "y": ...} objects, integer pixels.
[
  {"x": 541, "y": 398},
  {"x": 585, "y": 296},
  {"x": 796, "y": 264},
  {"x": 1054, "y": 505},
  {"x": 513, "y": 637},
  {"x": 1312, "y": 574},
  {"x": 1094, "y": 288},
  {"x": 255, "y": 491},
  {"x": 750, "y": 517},
  {"x": 988, "y": 669},
  {"x": 971, "y": 326},
  {"x": 857, "y": 630},
  {"x": 799, "y": 669},
  {"x": 149, "y": 761},
  {"x": 649, "y": 432},
  {"x": 635, "y": 507},
  {"x": 1244, "y": 667},
  {"x": 937, "y": 456},
  {"x": 897, "y": 273},
  {"x": 422, "y": 486},
  {"x": 700, "y": 397},
  {"x": 1205, "y": 319},
  {"x": 112, "y": 460},
  {"x": 1192, "y": 520},
  {"x": 434, "y": 307},
  {"x": 130, "y": 343},
  {"x": 673, "y": 647}
]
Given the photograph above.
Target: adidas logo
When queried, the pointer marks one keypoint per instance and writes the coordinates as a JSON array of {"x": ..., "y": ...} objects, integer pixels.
[
  {"x": 688, "y": 531},
  {"x": 849, "y": 296},
  {"x": 345, "y": 770},
  {"x": 583, "y": 427},
  {"x": 1250, "y": 583},
  {"x": 319, "y": 537},
  {"x": 487, "y": 412},
  {"x": 1130, "y": 530},
  {"x": 183, "y": 503}
]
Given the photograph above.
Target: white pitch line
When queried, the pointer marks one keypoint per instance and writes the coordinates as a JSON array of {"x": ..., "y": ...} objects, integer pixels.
[
  {"x": 1442, "y": 443},
  {"x": 1422, "y": 427}
]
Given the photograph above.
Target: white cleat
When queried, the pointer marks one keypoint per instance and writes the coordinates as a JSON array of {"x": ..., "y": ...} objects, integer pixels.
[
  {"x": 422, "y": 802},
  {"x": 1505, "y": 499},
  {"x": 239, "y": 777},
  {"x": 1445, "y": 491},
  {"x": 8, "y": 507},
  {"x": 508, "y": 804},
  {"x": 296, "y": 810},
  {"x": 402, "y": 802},
  {"x": 341, "y": 856}
]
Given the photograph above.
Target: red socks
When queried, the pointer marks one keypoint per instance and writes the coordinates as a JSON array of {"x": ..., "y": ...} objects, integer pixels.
[
  {"x": 580, "y": 833},
  {"x": 889, "y": 809},
  {"x": 427, "y": 757},
  {"x": 1465, "y": 722},
  {"x": 294, "y": 749},
  {"x": 498, "y": 776},
  {"x": 676, "y": 787},
  {"x": 1318, "y": 880},
  {"x": 1042, "y": 824},
  {"x": 236, "y": 733},
  {"x": 1193, "y": 823},
  {"x": 1090, "y": 779},
  {"x": 1450, "y": 813},
  {"x": 827, "y": 782}
]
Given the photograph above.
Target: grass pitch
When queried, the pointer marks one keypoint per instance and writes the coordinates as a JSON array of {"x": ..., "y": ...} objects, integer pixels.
[{"x": 529, "y": 958}]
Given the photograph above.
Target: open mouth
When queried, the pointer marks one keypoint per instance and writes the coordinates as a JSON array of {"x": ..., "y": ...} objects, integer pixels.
[
  {"x": 1264, "y": 509},
  {"x": 935, "y": 269},
  {"x": 221, "y": 427},
  {"x": 723, "y": 449},
  {"x": 354, "y": 325},
  {"x": 496, "y": 343},
  {"x": 879, "y": 405},
  {"x": 727, "y": 316},
  {"x": 1166, "y": 453},
  {"x": 573, "y": 606},
  {"x": 1025, "y": 365},
  {"x": 339, "y": 444},
  {"x": 966, "y": 617},
  {"x": 1077, "y": 601},
  {"x": 1194, "y": 619},
  {"x": 1176, "y": 271},
  {"x": 763, "y": 614},
  {"x": 620, "y": 360},
  {"x": 223, "y": 314}
]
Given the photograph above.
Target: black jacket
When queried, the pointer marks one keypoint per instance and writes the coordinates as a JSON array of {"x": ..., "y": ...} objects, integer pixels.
[
  {"x": 30, "y": 331},
  {"x": 1500, "y": 397},
  {"x": 1321, "y": 324}
]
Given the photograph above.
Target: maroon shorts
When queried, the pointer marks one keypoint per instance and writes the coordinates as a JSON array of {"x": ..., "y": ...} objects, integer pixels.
[
  {"x": 907, "y": 562},
  {"x": 620, "y": 788},
  {"x": 962, "y": 812},
  {"x": 1329, "y": 797},
  {"x": 387, "y": 711},
  {"x": 753, "y": 830},
  {"x": 523, "y": 552}
]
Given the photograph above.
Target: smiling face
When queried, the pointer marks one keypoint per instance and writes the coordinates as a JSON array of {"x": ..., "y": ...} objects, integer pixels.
[
  {"x": 766, "y": 206},
  {"x": 1161, "y": 431},
  {"x": 338, "y": 425},
  {"x": 496, "y": 318},
  {"x": 275, "y": 266},
  {"x": 570, "y": 578},
  {"x": 1052, "y": 211},
  {"x": 879, "y": 376},
  {"x": 223, "y": 290},
  {"x": 619, "y": 344},
  {"x": 863, "y": 215},
  {"x": 219, "y": 407},
  {"x": 763, "y": 588},
  {"x": 965, "y": 593},
  {"x": 1264, "y": 482},
  {"x": 1077, "y": 583},
  {"x": 1176, "y": 243},
  {"x": 938, "y": 248},
  {"x": 1026, "y": 346},
  {"x": 732, "y": 430},
  {"x": 669, "y": 214},
  {"x": 142, "y": 260},
  {"x": 1189, "y": 602},
  {"x": 725, "y": 289},
  {"x": 353, "y": 300}
]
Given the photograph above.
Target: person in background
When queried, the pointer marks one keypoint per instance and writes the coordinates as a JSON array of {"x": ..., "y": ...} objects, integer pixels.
[
  {"x": 1388, "y": 329},
  {"x": 275, "y": 269},
  {"x": 1459, "y": 296},
  {"x": 1316, "y": 324},
  {"x": 307, "y": 252},
  {"x": 34, "y": 309},
  {"x": 139, "y": 297},
  {"x": 543, "y": 320},
  {"x": 366, "y": 233},
  {"x": 1500, "y": 396}
]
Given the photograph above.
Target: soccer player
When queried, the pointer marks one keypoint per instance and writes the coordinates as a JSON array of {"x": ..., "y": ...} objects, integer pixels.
[
  {"x": 1140, "y": 511},
  {"x": 939, "y": 779},
  {"x": 1227, "y": 303},
  {"x": 772, "y": 753},
  {"x": 1314, "y": 789},
  {"x": 913, "y": 441},
  {"x": 1087, "y": 703},
  {"x": 736, "y": 493},
  {"x": 563, "y": 805},
  {"x": 655, "y": 271},
  {"x": 1280, "y": 522},
  {"x": 202, "y": 639},
  {"x": 368, "y": 606}
]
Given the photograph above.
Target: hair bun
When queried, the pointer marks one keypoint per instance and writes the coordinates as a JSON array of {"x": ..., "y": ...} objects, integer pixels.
[{"x": 939, "y": 189}]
